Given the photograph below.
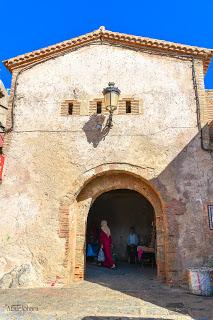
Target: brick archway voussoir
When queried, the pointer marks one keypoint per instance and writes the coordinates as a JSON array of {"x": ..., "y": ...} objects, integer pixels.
[
  {"x": 145, "y": 174},
  {"x": 87, "y": 188}
]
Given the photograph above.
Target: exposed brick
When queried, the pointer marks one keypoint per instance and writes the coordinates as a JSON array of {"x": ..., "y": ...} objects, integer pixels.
[
  {"x": 134, "y": 106},
  {"x": 65, "y": 108}
]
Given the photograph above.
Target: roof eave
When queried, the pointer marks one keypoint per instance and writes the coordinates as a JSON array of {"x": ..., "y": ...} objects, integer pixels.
[{"x": 110, "y": 37}]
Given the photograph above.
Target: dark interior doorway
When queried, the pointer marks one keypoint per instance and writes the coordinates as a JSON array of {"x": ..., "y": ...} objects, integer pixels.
[{"x": 122, "y": 209}]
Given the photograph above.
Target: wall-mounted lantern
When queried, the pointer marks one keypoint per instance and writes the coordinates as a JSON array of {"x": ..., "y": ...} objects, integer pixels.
[{"x": 111, "y": 96}]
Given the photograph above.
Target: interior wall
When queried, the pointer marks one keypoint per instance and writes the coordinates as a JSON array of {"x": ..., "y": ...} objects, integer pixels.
[{"x": 122, "y": 209}]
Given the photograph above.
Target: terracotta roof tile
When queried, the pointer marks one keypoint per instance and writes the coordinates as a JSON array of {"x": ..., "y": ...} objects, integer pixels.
[{"x": 111, "y": 37}]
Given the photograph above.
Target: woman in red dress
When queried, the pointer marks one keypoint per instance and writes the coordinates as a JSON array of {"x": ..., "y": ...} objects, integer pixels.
[{"x": 106, "y": 244}]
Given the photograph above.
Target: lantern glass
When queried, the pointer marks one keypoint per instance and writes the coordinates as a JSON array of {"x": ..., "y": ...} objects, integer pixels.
[
  {"x": 111, "y": 100},
  {"x": 111, "y": 96}
]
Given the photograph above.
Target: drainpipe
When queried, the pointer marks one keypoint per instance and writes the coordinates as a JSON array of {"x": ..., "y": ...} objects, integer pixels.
[{"x": 198, "y": 106}]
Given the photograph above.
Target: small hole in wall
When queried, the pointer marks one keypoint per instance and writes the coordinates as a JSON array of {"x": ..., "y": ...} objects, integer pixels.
[
  {"x": 128, "y": 107},
  {"x": 70, "y": 108},
  {"x": 211, "y": 132},
  {"x": 99, "y": 107}
]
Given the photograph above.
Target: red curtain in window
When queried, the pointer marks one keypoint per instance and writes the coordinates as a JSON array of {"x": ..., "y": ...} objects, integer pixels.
[{"x": 1, "y": 165}]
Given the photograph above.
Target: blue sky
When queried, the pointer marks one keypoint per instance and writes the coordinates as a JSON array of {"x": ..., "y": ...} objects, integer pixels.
[{"x": 30, "y": 25}]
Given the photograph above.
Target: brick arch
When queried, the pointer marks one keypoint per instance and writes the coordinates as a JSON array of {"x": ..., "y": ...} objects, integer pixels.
[
  {"x": 92, "y": 184},
  {"x": 144, "y": 173}
]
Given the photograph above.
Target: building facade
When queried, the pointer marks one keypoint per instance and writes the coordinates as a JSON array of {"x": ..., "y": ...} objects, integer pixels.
[
  {"x": 3, "y": 108},
  {"x": 3, "y": 115},
  {"x": 60, "y": 156}
]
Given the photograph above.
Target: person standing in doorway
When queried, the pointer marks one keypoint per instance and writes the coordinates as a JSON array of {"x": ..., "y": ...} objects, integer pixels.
[
  {"x": 132, "y": 243},
  {"x": 106, "y": 245}
]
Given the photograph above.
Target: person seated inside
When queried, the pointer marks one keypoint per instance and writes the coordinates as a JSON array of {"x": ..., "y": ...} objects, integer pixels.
[
  {"x": 92, "y": 248},
  {"x": 132, "y": 243}
]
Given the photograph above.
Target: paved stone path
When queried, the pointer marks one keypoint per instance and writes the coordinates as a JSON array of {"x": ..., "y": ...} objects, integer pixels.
[{"x": 128, "y": 293}]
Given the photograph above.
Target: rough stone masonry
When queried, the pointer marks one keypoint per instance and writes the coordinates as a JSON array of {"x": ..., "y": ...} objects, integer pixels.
[{"x": 60, "y": 156}]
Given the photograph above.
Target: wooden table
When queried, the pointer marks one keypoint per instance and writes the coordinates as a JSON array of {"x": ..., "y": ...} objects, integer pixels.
[{"x": 148, "y": 251}]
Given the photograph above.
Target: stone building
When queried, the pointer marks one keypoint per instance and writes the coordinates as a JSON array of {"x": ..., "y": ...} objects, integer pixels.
[
  {"x": 3, "y": 110},
  {"x": 3, "y": 114},
  {"x": 153, "y": 167}
]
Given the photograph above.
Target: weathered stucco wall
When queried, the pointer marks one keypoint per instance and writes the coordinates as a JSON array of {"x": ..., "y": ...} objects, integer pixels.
[{"x": 48, "y": 152}]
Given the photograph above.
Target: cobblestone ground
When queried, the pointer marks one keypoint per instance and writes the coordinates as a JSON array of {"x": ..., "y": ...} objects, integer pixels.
[{"x": 128, "y": 293}]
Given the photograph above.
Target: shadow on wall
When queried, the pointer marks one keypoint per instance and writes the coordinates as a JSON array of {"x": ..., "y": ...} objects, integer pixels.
[
  {"x": 142, "y": 284},
  {"x": 186, "y": 186},
  {"x": 96, "y": 129}
]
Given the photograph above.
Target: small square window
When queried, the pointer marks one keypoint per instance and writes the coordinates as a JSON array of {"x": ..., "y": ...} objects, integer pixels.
[
  {"x": 70, "y": 108},
  {"x": 99, "y": 107},
  {"x": 128, "y": 107}
]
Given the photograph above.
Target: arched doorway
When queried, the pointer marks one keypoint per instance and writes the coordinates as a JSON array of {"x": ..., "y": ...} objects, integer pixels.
[
  {"x": 123, "y": 209},
  {"x": 88, "y": 188}
]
